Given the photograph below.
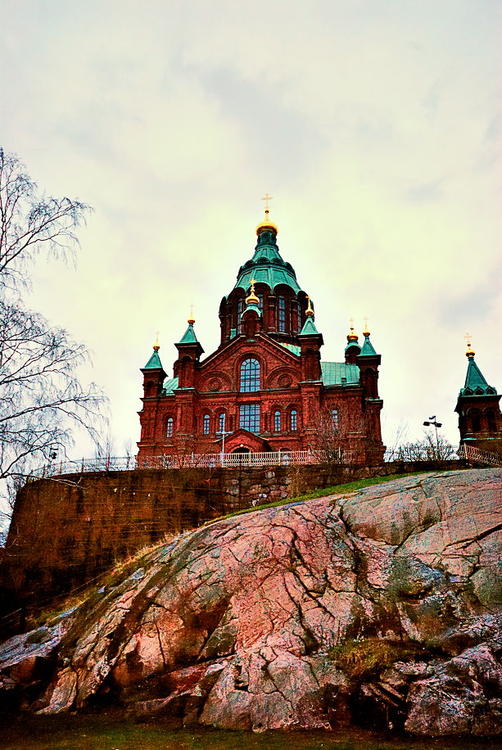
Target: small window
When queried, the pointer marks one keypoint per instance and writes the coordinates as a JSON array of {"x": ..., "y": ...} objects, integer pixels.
[
  {"x": 260, "y": 301},
  {"x": 169, "y": 427},
  {"x": 335, "y": 420},
  {"x": 281, "y": 314},
  {"x": 293, "y": 420},
  {"x": 206, "y": 424},
  {"x": 249, "y": 417},
  {"x": 277, "y": 421},
  {"x": 250, "y": 375},
  {"x": 492, "y": 420}
]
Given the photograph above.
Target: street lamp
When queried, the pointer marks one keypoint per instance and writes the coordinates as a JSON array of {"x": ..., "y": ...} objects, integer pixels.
[
  {"x": 223, "y": 432},
  {"x": 432, "y": 421}
]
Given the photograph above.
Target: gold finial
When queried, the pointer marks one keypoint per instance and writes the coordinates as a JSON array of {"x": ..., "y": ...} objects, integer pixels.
[
  {"x": 470, "y": 351},
  {"x": 252, "y": 299},
  {"x": 366, "y": 331},
  {"x": 156, "y": 346},
  {"x": 352, "y": 335},
  {"x": 266, "y": 223},
  {"x": 309, "y": 310},
  {"x": 191, "y": 319}
]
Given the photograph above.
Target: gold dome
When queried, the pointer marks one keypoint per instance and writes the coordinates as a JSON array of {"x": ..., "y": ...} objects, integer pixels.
[{"x": 252, "y": 299}]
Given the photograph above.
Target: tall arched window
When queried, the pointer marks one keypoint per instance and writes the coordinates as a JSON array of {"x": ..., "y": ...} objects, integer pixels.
[
  {"x": 206, "y": 424},
  {"x": 250, "y": 375},
  {"x": 335, "y": 419},
  {"x": 293, "y": 420},
  {"x": 221, "y": 422},
  {"x": 281, "y": 314},
  {"x": 169, "y": 427},
  {"x": 277, "y": 421}
]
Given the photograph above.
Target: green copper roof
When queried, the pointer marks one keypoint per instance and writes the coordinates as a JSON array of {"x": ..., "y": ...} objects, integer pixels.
[
  {"x": 367, "y": 349},
  {"x": 154, "y": 362},
  {"x": 292, "y": 348},
  {"x": 169, "y": 385},
  {"x": 266, "y": 266},
  {"x": 189, "y": 336},
  {"x": 252, "y": 307},
  {"x": 339, "y": 373},
  {"x": 475, "y": 383},
  {"x": 309, "y": 327}
]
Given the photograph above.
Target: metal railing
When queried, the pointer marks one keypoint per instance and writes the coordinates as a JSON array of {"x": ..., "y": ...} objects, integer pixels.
[
  {"x": 179, "y": 461},
  {"x": 475, "y": 455}
]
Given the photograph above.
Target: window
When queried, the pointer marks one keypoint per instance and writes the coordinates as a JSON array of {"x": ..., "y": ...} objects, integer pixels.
[
  {"x": 281, "y": 314},
  {"x": 260, "y": 303},
  {"x": 250, "y": 375},
  {"x": 169, "y": 427},
  {"x": 475, "y": 420},
  {"x": 206, "y": 424},
  {"x": 492, "y": 420},
  {"x": 293, "y": 420},
  {"x": 335, "y": 419},
  {"x": 277, "y": 421},
  {"x": 221, "y": 422},
  {"x": 249, "y": 417}
]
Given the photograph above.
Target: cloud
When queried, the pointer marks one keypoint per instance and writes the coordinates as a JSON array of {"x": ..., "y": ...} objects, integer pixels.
[{"x": 374, "y": 125}]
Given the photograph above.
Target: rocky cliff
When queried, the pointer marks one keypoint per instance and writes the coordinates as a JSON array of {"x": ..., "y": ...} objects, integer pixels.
[{"x": 378, "y": 607}]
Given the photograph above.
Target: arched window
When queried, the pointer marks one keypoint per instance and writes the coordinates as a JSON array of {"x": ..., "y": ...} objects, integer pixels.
[
  {"x": 260, "y": 301},
  {"x": 293, "y": 420},
  {"x": 475, "y": 420},
  {"x": 281, "y": 314},
  {"x": 335, "y": 420},
  {"x": 277, "y": 421},
  {"x": 206, "y": 424},
  {"x": 221, "y": 422},
  {"x": 250, "y": 375},
  {"x": 169, "y": 427},
  {"x": 492, "y": 420}
]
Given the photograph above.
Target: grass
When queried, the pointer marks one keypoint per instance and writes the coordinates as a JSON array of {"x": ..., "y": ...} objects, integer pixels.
[{"x": 337, "y": 489}]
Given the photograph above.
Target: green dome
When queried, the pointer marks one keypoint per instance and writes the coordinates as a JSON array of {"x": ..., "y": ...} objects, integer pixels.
[{"x": 266, "y": 266}]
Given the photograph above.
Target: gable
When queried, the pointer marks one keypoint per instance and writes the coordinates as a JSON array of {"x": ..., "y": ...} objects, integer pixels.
[{"x": 221, "y": 370}]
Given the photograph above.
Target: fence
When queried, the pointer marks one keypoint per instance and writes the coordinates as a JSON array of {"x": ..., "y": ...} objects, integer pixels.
[
  {"x": 476, "y": 456},
  {"x": 179, "y": 461}
]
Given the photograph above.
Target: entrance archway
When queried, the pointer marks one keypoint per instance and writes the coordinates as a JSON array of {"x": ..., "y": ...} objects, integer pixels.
[{"x": 241, "y": 449}]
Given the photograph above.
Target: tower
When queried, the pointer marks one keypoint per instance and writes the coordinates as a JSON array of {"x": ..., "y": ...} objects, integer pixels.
[{"x": 479, "y": 417}]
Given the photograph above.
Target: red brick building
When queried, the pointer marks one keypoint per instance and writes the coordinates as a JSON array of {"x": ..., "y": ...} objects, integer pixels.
[{"x": 265, "y": 388}]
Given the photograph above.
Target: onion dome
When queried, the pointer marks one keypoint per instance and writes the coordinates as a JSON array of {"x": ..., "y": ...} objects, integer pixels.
[
  {"x": 252, "y": 299},
  {"x": 267, "y": 266},
  {"x": 352, "y": 339}
]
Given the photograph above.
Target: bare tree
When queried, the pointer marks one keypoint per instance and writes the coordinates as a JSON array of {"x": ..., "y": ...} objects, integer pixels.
[
  {"x": 428, "y": 449},
  {"x": 41, "y": 397},
  {"x": 326, "y": 440}
]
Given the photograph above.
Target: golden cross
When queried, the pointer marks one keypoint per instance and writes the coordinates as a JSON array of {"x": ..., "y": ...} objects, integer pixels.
[
  {"x": 468, "y": 339},
  {"x": 266, "y": 198},
  {"x": 191, "y": 311},
  {"x": 366, "y": 324},
  {"x": 351, "y": 324},
  {"x": 157, "y": 339}
]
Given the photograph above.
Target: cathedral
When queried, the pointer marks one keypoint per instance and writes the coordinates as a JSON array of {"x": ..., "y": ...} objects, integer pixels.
[{"x": 265, "y": 388}]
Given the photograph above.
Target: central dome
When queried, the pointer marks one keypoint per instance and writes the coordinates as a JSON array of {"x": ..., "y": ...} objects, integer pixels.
[{"x": 267, "y": 266}]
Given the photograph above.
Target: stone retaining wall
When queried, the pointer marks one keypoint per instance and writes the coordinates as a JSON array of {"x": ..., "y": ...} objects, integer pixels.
[{"x": 67, "y": 530}]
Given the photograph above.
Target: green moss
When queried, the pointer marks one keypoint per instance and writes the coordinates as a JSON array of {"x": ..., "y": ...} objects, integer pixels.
[
  {"x": 338, "y": 489},
  {"x": 362, "y": 658}
]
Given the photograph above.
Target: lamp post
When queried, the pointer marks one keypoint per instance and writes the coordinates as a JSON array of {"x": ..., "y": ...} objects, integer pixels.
[
  {"x": 432, "y": 421},
  {"x": 223, "y": 434}
]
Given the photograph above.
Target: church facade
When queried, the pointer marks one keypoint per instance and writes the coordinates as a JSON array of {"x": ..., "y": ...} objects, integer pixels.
[{"x": 266, "y": 387}]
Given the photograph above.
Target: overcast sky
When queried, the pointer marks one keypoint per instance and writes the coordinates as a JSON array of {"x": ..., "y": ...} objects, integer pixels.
[{"x": 375, "y": 124}]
